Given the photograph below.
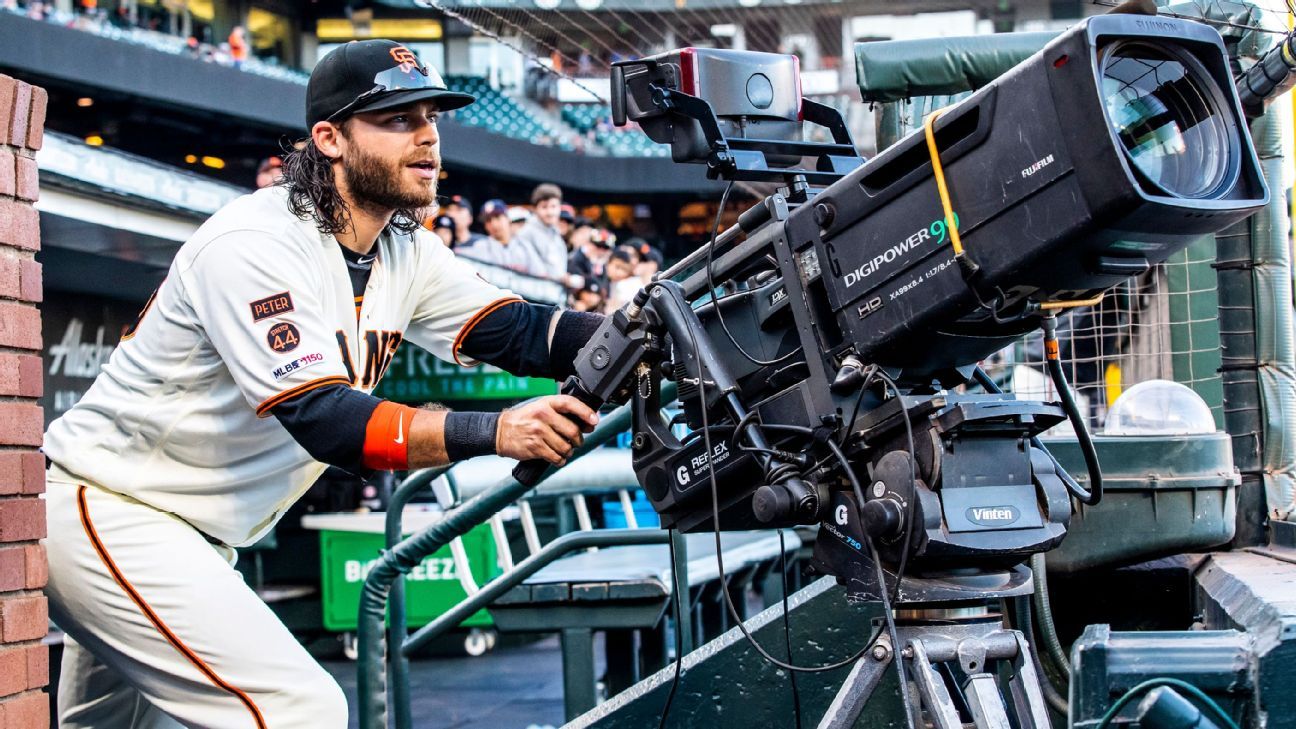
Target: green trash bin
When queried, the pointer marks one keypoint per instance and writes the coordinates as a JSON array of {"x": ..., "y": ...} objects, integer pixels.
[{"x": 349, "y": 547}]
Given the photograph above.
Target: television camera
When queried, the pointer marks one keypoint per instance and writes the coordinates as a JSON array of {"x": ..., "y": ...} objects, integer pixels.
[
  {"x": 826, "y": 346},
  {"x": 819, "y": 344}
]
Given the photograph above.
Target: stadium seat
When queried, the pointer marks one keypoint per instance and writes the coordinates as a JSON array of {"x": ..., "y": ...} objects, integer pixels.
[
  {"x": 617, "y": 141},
  {"x": 499, "y": 113}
]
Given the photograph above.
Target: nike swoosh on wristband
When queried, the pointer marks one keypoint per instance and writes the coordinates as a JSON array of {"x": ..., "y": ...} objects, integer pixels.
[{"x": 400, "y": 429}]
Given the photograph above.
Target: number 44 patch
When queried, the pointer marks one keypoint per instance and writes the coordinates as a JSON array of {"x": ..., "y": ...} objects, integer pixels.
[{"x": 283, "y": 337}]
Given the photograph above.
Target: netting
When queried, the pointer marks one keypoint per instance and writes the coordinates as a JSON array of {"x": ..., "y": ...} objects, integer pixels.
[{"x": 1160, "y": 325}]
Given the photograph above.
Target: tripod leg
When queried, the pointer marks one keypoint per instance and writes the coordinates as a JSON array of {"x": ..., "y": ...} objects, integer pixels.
[
  {"x": 857, "y": 688},
  {"x": 935, "y": 696},
  {"x": 1028, "y": 698},
  {"x": 985, "y": 703}
]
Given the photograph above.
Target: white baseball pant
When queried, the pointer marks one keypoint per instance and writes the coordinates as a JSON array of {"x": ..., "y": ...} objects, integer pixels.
[{"x": 163, "y": 630}]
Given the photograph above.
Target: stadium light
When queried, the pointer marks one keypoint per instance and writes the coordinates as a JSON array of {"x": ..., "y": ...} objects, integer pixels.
[
  {"x": 216, "y": 163},
  {"x": 94, "y": 140},
  {"x": 191, "y": 159},
  {"x": 85, "y": 101}
]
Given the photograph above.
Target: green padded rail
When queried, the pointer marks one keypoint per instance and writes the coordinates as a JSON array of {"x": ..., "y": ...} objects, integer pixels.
[{"x": 895, "y": 70}]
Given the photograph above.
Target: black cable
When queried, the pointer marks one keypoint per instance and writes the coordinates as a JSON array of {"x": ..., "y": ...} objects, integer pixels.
[
  {"x": 715, "y": 523},
  {"x": 1024, "y": 622},
  {"x": 787, "y": 630},
  {"x": 1081, "y": 428},
  {"x": 888, "y": 617},
  {"x": 715, "y": 230},
  {"x": 988, "y": 384},
  {"x": 854, "y": 412},
  {"x": 911, "y": 505},
  {"x": 679, "y": 638}
]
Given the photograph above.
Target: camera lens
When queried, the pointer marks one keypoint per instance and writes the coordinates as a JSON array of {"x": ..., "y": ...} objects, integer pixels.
[{"x": 1170, "y": 118}]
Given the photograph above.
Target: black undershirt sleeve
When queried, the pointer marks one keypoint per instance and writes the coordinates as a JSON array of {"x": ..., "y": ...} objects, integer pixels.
[
  {"x": 330, "y": 422},
  {"x": 515, "y": 338},
  {"x": 575, "y": 328}
]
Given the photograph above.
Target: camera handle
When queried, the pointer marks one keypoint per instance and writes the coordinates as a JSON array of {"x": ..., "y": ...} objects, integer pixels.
[{"x": 620, "y": 344}]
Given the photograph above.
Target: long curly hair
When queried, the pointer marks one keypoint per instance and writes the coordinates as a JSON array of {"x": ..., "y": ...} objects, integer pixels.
[{"x": 313, "y": 193}]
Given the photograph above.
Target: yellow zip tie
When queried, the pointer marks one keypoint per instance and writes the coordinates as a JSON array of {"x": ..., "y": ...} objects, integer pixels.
[
  {"x": 1054, "y": 305},
  {"x": 946, "y": 206}
]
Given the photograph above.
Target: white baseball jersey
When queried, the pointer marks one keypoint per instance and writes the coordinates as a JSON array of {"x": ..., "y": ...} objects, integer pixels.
[{"x": 256, "y": 308}]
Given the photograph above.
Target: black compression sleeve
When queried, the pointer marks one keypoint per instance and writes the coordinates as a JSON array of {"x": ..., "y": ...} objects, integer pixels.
[
  {"x": 515, "y": 338},
  {"x": 574, "y": 329},
  {"x": 468, "y": 435},
  {"x": 329, "y": 422}
]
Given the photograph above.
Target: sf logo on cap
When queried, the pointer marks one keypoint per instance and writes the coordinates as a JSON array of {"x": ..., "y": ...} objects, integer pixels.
[{"x": 406, "y": 59}]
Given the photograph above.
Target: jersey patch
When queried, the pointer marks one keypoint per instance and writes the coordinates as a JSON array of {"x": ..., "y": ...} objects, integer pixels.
[
  {"x": 283, "y": 337},
  {"x": 271, "y": 306},
  {"x": 301, "y": 363}
]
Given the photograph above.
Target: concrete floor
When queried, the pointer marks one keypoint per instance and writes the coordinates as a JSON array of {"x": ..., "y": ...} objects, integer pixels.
[{"x": 511, "y": 687}]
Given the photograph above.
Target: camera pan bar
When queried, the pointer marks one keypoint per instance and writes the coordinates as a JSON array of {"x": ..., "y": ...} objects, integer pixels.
[
  {"x": 773, "y": 207},
  {"x": 697, "y": 283}
]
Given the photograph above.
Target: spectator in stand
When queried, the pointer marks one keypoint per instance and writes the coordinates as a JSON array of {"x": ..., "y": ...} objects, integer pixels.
[
  {"x": 269, "y": 172},
  {"x": 566, "y": 216},
  {"x": 589, "y": 297},
  {"x": 518, "y": 216},
  {"x": 591, "y": 249},
  {"x": 497, "y": 246},
  {"x": 238, "y": 46},
  {"x": 622, "y": 283},
  {"x": 540, "y": 236},
  {"x": 444, "y": 227},
  {"x": 460, "y": 210},
  {"x": 650, "y": 259}
]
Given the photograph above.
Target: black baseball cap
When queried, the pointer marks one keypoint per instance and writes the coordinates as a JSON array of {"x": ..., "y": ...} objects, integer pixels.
[
  {"x": 371, "y": 75},
  {"x": 461, "y": 201}
]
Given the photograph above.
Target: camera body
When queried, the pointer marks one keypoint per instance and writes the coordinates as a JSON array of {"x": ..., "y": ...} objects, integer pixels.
[{"x": 821, "y": 345}]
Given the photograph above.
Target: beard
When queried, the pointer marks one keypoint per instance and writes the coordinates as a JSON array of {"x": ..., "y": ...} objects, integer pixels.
[{"x": 376, "y": 184}]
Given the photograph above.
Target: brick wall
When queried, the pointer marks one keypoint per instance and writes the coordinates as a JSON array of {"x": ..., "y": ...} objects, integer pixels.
[{"x": 24, "y": 661}]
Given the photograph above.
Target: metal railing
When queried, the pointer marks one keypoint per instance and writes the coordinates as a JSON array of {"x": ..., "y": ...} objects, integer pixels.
[{"x": 384, "y": 581}]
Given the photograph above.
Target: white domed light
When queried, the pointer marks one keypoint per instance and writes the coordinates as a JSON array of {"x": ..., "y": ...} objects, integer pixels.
[
  {"x": 749, "y": 3},
  {"x": 547, "y": 4},
  {"x": 1159, "y": 407},
  {"x": 589, "y": 4}
]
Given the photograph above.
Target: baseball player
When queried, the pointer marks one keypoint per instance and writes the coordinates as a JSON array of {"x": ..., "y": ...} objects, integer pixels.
[{"x": 248, "y": 372}]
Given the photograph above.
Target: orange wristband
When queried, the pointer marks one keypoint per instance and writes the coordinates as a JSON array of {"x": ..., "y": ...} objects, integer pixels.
[{"x": 386, "y": 445}]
